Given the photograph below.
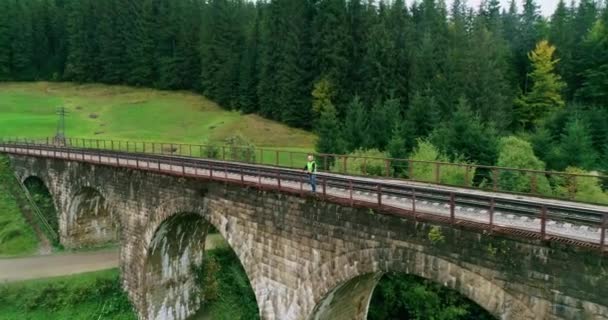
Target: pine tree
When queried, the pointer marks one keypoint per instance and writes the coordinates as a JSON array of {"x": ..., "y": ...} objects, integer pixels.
[
  {"x": 22, "y": 44},
  {"x": 329, "y": 132},
  {"x": 111, "y": 42},
  {"x": 529, "y": 35},
  {"x": 594, "y": 74},
  {"x": 355, "y": 125},
  {"x": 331, "y": 44},
  {"x": 5, "y": 40},
  {"x": 464, "y": 135},
  {"x": 562, "y": 35},
  {"x": 140, "y": 40},
  {"x": 576, "y": 146},
  {"x": 248, "y": 78},
  {"x": 545, "y": 95},
  {"x": 382, "y": 120}
]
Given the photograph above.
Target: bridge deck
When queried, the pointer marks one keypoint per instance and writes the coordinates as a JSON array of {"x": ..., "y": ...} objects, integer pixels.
[{"x": 535, "y": 217}]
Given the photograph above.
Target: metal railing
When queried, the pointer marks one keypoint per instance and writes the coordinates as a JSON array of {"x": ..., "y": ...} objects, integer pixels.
[
  {"x": 499, "y": 213},
  {"x": 545, "y": 184}
]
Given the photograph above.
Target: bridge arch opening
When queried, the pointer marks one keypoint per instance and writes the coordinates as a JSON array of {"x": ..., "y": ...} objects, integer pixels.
[
  {"x": 185, "y": 271},
  {"x": 42, "y": 197},
  {"x": 396, "y": 295},
  {"x": 350, "y": 281},
  {"x": 89, "y": 220}
]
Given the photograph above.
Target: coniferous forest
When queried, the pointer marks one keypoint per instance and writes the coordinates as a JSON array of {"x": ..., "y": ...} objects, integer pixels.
[{"x": 396, "y": 78}]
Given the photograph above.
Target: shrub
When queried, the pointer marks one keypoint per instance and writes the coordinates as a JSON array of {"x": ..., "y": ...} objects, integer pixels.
[
  {"x": 448, "y": 174},
  {"x": 587, "y": 189},
  {"x": 239, "y": 148},
  {"x": 365, "y": 162},
  {"x": 517, "y": 153}
]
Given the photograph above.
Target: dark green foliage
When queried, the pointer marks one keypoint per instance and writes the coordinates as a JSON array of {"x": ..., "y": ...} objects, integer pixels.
[
  {"x": 576, "y": 146},
  {"x": 268, "y": 57},
  {"x": 465, "y": 135},
  {"x": 400, "y": 296},
  {"x": 330, "y": 135},
  {"x": 44, "y": 200},
  {"x": 228, "y": 294},
  {"x": 5, "y": 38},
  {"x": 355, "y": 124}
]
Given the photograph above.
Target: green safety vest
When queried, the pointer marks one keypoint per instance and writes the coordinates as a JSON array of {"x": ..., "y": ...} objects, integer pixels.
[{"x": 311, "y": 167}]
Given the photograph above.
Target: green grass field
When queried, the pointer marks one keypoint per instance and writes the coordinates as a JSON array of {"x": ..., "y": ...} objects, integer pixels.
[
  {"x": 118, "y": 112},
  {"x": 95, "y": 295}
]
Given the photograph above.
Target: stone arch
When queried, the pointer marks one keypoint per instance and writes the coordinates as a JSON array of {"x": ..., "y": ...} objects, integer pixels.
[
  {"x": 360, "y": 271},
  {"x": 31, "y": 180},
  {"x": 166, "y": 222},
  {"x": 89, "y": 219}
]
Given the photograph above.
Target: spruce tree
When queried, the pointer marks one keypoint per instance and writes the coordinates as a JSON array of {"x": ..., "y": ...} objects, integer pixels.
[
  {"x": 331, "y": 44},
  {"x": 355, "y": 125},
  {"x": 5, "y": 40},
  {"x": 594, "y": 68},
  {"x": 140, "y": 40},
  {"x": 576, "y": 146},
  {"x": 329, "y": 132},
  {"x": 465, "y": 135},
  {"x": 22, "y": 44}
]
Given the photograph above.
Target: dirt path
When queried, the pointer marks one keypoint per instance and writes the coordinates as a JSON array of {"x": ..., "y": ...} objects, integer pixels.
[
  {"x": 56, "y": 265},
  {"x": 18, "y": 269}
]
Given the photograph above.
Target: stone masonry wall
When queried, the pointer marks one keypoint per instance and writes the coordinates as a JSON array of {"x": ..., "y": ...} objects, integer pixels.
[{"x": 299, "y": 252}]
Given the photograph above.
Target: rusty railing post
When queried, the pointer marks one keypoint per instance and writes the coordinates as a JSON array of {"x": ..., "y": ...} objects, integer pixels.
[
  {"x": 242, "y": 175},
  {"x": 259, "y": 179},
  {"x": 533, "y": 183},
  {"x": 603, "y": 232},
  {"x": 277, "y": 157},
  {"x": 495, "y": 179},
  {"x": 324, "y": 188},
  {"x": 452, "y": 208},
  {"x": 410, "y": 169},
  {"x": 492, "y": 206},
  {"x": 414, "y": 203},
  {"x": 437, "y": 169},
  {"x": 543, "y": 222},
  {"x": 572, "y": 188},
  {"x": 350, "y": 192},
  {"x": 388, "y": 167},
  {"x": 345, "y": 169}
]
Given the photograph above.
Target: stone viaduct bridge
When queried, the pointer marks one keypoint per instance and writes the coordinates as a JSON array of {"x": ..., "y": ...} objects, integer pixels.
[{"x": 320, "y": 256}]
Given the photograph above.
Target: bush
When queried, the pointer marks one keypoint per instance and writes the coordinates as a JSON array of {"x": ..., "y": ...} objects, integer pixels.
[
  {"x": 448, "y": 174},
  {"x": 359, "y": 163},
  {"x": 239, "y": 148},
  {"x": 586, "y": 189},
  {"x": 517, "y": 153}
]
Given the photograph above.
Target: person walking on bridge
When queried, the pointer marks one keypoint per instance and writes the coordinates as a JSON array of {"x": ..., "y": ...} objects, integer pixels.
[{"x": 311, "y": 168}]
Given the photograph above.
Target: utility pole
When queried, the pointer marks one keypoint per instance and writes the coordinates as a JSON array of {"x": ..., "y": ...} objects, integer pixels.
[{"x": 60, "y": 134}]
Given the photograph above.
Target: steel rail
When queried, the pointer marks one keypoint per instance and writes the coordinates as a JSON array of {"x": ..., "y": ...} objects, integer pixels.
[{"x": 365, "y": 189}]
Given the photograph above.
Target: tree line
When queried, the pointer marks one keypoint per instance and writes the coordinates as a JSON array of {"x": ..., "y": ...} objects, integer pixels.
[{"x": 364, "y": 74}]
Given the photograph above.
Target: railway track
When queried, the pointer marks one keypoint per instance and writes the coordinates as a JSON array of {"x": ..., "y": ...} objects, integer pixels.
[{"x": 540, "y": 218}]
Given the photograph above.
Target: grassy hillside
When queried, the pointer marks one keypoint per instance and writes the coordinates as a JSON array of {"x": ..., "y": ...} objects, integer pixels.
[
  {"x": 16, "y": 235},
  {"x": 118, "y": 112}
]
